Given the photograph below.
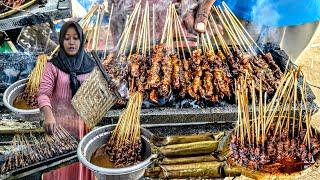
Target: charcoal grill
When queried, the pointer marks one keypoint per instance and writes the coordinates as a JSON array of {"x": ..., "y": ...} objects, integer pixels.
[
  {"x": 52, "y": 10},
  {"x": 219, "y": 112}
]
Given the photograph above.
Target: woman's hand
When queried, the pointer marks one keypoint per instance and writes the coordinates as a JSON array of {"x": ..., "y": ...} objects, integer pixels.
[{"x": 49, "y": 124}]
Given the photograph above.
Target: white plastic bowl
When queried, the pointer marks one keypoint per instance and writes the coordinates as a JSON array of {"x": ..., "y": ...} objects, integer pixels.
[{"x": 10, "y": 95}]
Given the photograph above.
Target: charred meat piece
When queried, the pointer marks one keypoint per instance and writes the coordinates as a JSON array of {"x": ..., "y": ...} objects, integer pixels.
[
  {"x": 165, "y": 88},
  {"x": 207, "y": 83},
  {"x": 154, "y": 96},
  {"x": 154, "y": 80},
  {"x": 273, "y": 66},
  {"x": 176, "y": 71}
]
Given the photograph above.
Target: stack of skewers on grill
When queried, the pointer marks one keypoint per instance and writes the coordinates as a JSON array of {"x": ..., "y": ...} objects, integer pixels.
[
  {"x": 171, "y": 69},
  {"x": 32, "y": 148}
]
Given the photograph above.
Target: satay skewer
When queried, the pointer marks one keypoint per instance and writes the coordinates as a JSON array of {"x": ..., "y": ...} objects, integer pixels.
[
  {"x": 108, "y": 32},
  {"x": 153, "y": 26},
  {"x": 239, "y": 23},
  {"x": 240, "y": 33},
  {"x": 239, "y": 41},
  {"x": 213, "y": 36},
  {"x": 165, "y": 27},
  {"x": 135, "y": 31},
  {"x": 181, "y": 29},
  {"x": 226, "y": 27},
  {"x": 223, "y": 43}
]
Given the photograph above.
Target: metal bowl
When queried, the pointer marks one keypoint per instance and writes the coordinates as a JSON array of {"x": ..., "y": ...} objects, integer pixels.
[
  {"x": 11, "y": 94},
  {"x": 96, "y": 138}
]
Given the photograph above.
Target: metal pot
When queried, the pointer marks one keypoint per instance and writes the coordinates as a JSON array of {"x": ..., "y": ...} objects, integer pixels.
[
  {"x": 96, "y": 138},
  {"x": 10, "y": 95}
]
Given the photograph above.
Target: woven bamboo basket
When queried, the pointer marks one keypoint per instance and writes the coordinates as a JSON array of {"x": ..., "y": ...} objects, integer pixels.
[{"x": 94, "y": 98}]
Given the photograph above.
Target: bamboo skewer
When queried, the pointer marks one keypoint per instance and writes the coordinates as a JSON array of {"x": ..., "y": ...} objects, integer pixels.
[
  {"x": 181, "y": 29},
  {"x": 240, "y": 33},
  {"x": 239, "y": 41},
  {"x": 153, "y": 26},
  {"x": 226, "y": 27},
  {"x": 239, "y": 23},
  {"x": 108, "y": 32}
]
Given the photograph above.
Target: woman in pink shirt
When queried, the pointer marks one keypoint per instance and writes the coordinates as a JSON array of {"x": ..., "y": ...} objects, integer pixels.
[{"x": 61, "y": 79}]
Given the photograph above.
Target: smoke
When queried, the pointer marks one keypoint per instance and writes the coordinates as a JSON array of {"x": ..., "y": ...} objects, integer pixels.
[{"x": 264, "y": 17}]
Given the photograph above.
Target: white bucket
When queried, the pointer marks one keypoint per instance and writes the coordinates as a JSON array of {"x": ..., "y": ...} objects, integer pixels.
[{"x": 10, "y": 95}]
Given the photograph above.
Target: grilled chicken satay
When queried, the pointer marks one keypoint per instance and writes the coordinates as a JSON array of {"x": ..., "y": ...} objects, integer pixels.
[
  {"x": 176, "y": 71},
  {"x": 134, "y": 65},
  {"x": 141, "y": 80},
  {"x": 183, "y": 90},
  {"x": 197, "y": 73},
  {"x": 154, "y": 96},
  {"x": 188, "y": 79},
  {"x": 165, "y": 88},
  {"x": 154, "y": 80},
  {"x": 273, "y": 66},
  {"x": 221, "y": 78},
  {"x": 207, "y": 83}
]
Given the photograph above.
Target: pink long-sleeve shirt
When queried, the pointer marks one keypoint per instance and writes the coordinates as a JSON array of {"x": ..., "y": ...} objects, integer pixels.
[{"x": 55, "y": 92}]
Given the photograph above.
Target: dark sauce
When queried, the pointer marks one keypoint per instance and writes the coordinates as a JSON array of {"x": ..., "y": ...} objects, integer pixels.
[{"x": 101, "y": 158}]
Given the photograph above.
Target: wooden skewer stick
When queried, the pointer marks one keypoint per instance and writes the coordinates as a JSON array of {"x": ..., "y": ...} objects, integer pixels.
[
  {"x": 226, "y": 27},
  {"x": 213, "y": 35},
  {"x": 180, "y": 38},
  {"x": 149, "y": 30},
  {"x": 95, "y": 30},
  {"x": 239, "y": 32},
  {"x": 99, "y": 27},
  {"x": 244, "y": 29},
  {"x": 153, "y": 26},
  {"x": 165, "y": 26},
  {"x": 181, "y": 29},
  {"x": 239, "y": 42},
  {"x": 209, "y": 41},
  {"x": 223, "y": 43},
  {"x": 141, "y": 33},
  {"x": 108, "y": 32},
  {"x": 126, "y": 33},
  {"x": 177, "y": 38},
  {"x": 134, "y": 33}
]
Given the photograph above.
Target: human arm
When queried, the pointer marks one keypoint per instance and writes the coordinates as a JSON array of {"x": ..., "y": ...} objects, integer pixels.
[{"x": 47, "y": 85}]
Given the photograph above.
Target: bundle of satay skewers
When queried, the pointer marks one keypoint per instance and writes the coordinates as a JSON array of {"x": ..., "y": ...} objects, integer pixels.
[
  {"x": 170, "y": 69},
  {"x": 30, "y": 93},
  {"x": 124, "y": 146},
  {"x": 277, "y": 137},
  {"x": 36, "y": 147}
]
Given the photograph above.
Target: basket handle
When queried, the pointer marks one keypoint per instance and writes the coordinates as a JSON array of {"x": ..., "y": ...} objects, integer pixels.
[{"x": 104, "y": 72}]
